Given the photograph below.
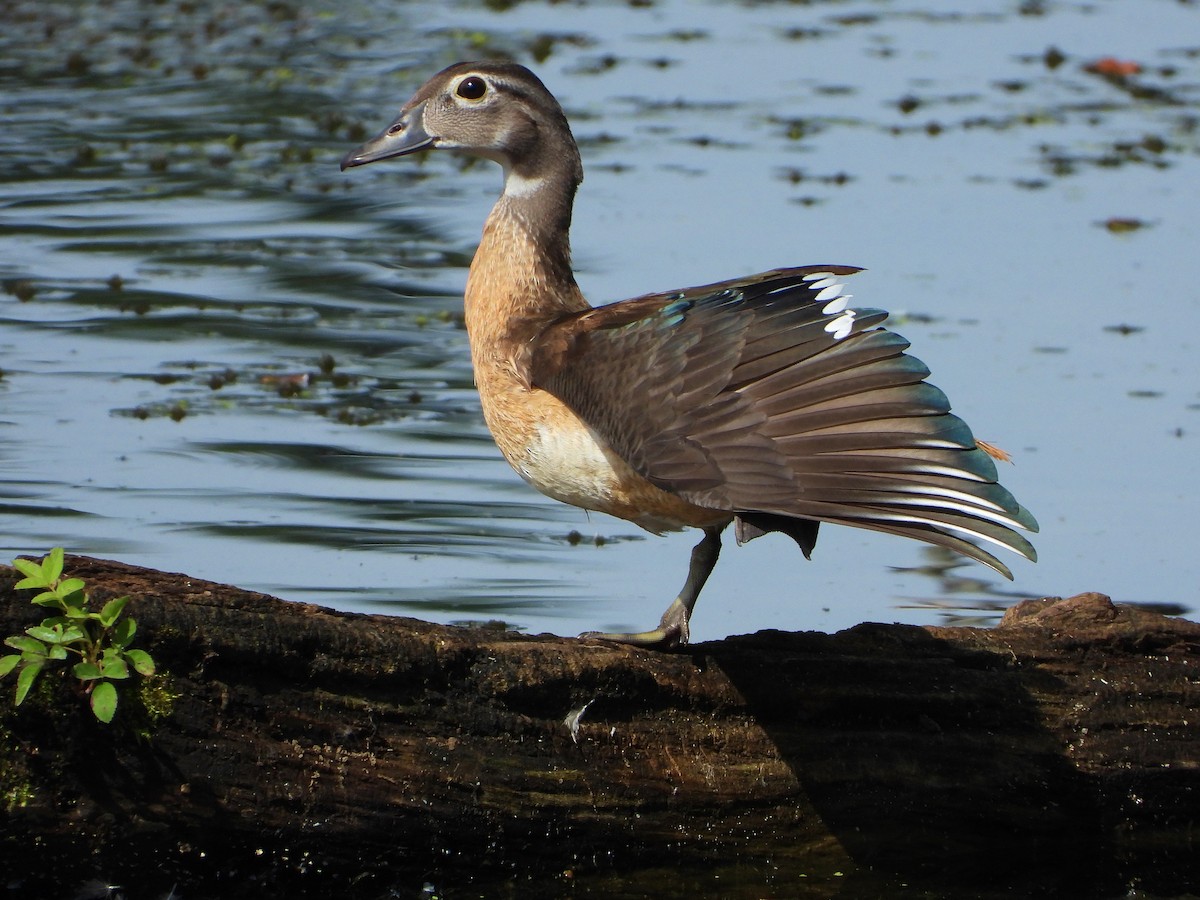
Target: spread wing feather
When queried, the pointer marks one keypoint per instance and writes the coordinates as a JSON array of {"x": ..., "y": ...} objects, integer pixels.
[{"x": 773, "y": 398}]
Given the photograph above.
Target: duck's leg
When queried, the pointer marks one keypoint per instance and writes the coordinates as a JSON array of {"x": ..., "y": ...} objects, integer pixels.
[{"x": 672, "y": 630}]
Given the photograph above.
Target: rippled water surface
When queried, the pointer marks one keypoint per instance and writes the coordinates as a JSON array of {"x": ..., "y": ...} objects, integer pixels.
[{"x": 220, "y": 355}]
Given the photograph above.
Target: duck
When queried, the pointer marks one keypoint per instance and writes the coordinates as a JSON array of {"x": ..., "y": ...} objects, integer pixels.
[{"x": 768, "y": 402}]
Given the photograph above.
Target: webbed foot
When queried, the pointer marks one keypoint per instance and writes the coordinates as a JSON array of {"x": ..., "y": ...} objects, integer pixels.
[{"x": 672, "y": 631}]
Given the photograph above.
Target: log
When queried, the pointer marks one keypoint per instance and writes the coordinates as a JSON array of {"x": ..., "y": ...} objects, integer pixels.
[{"x": 314, "y": 753}]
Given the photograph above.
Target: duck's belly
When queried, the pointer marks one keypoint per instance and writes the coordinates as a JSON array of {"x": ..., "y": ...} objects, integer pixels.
[{"x": 560, "y": 456}]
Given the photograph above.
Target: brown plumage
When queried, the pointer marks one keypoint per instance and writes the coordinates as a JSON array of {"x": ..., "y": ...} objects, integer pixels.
[{"x": 766, "y": 401}]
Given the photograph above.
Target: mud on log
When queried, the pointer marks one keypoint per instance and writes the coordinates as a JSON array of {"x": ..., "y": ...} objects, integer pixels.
[{"x": 314, "y": 753}]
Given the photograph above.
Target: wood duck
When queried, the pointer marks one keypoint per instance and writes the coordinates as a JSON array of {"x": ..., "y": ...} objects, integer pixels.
[{"x": 768, "y": 401}]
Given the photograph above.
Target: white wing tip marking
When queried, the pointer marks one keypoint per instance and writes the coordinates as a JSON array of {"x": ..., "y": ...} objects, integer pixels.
[
  {"x": 837, "y": 305},
  {"x": 829, "y": 292},
  {"x": 841, "y": 326}
]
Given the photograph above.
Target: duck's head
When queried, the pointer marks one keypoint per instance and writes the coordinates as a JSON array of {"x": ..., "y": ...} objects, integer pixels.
[{"x": 498, "y": 111}]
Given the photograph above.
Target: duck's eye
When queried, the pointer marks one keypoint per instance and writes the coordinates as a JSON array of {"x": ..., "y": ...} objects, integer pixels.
[{"x": 472, "y": 88}]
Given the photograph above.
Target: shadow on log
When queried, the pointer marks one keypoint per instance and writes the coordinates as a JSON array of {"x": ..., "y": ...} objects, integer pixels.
[{"x": 312, "y": 753}]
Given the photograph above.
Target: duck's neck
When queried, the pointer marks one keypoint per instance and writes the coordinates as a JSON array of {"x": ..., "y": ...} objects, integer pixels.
[{"x": 521, "y": 276}]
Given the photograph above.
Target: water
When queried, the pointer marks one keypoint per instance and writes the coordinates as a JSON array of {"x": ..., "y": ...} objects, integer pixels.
[{"x": 222, "y": 356}]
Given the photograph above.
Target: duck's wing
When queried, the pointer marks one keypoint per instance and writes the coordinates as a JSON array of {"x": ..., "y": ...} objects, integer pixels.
[{"x": 773, "y": 398}]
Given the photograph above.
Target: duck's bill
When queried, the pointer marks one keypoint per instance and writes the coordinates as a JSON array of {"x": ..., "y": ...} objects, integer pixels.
[{"x": 405, "y": 135}]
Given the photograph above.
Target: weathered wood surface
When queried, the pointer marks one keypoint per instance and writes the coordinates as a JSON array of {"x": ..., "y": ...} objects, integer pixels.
[{"x": 319, "y": 754}]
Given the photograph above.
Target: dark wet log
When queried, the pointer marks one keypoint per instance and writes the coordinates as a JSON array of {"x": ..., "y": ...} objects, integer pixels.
[{"x": 313, "y": 753}]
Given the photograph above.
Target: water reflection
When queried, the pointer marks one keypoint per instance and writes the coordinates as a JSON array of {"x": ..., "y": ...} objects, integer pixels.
[{"x": 964, "y": 596}]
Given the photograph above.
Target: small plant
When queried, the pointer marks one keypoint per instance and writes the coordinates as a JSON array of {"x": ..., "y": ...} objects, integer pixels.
[{"x": 100, "y": 639}]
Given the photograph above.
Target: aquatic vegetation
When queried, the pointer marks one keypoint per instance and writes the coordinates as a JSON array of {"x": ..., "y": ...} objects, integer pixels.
[{"x": 100, "y": 640}]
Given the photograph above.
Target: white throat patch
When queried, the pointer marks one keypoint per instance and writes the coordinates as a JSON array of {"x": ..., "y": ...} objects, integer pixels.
[{"x": 519, "y": 186}]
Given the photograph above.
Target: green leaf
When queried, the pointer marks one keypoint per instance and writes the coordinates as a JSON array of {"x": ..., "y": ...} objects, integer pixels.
[
  {"x": 57, "y": 651},
  {"x": 52, "y": 565},
  {"x": 141, "y": 660},
  {"x": 32, "y": 572},
  {"x": 123, "y": 633},
  {"x": 104, "y": 701},
  {"x": 69, "y": 586},
  {"x": 26, "y": 678},
  {"x": 86, "y": 671},
  {"x": 8, "y": 663},
  {"x": 78, "y": 612},
  {"x": 72, "y": 635},
  {"x": 42, "y": 633},
  {"x": 112, "y": 611},
  {"x": 73, "y": 600},
  {"x": 26, "y": 644},
  {"x": 47, "y": 598},
  {"x": 113, "y": 667}
]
